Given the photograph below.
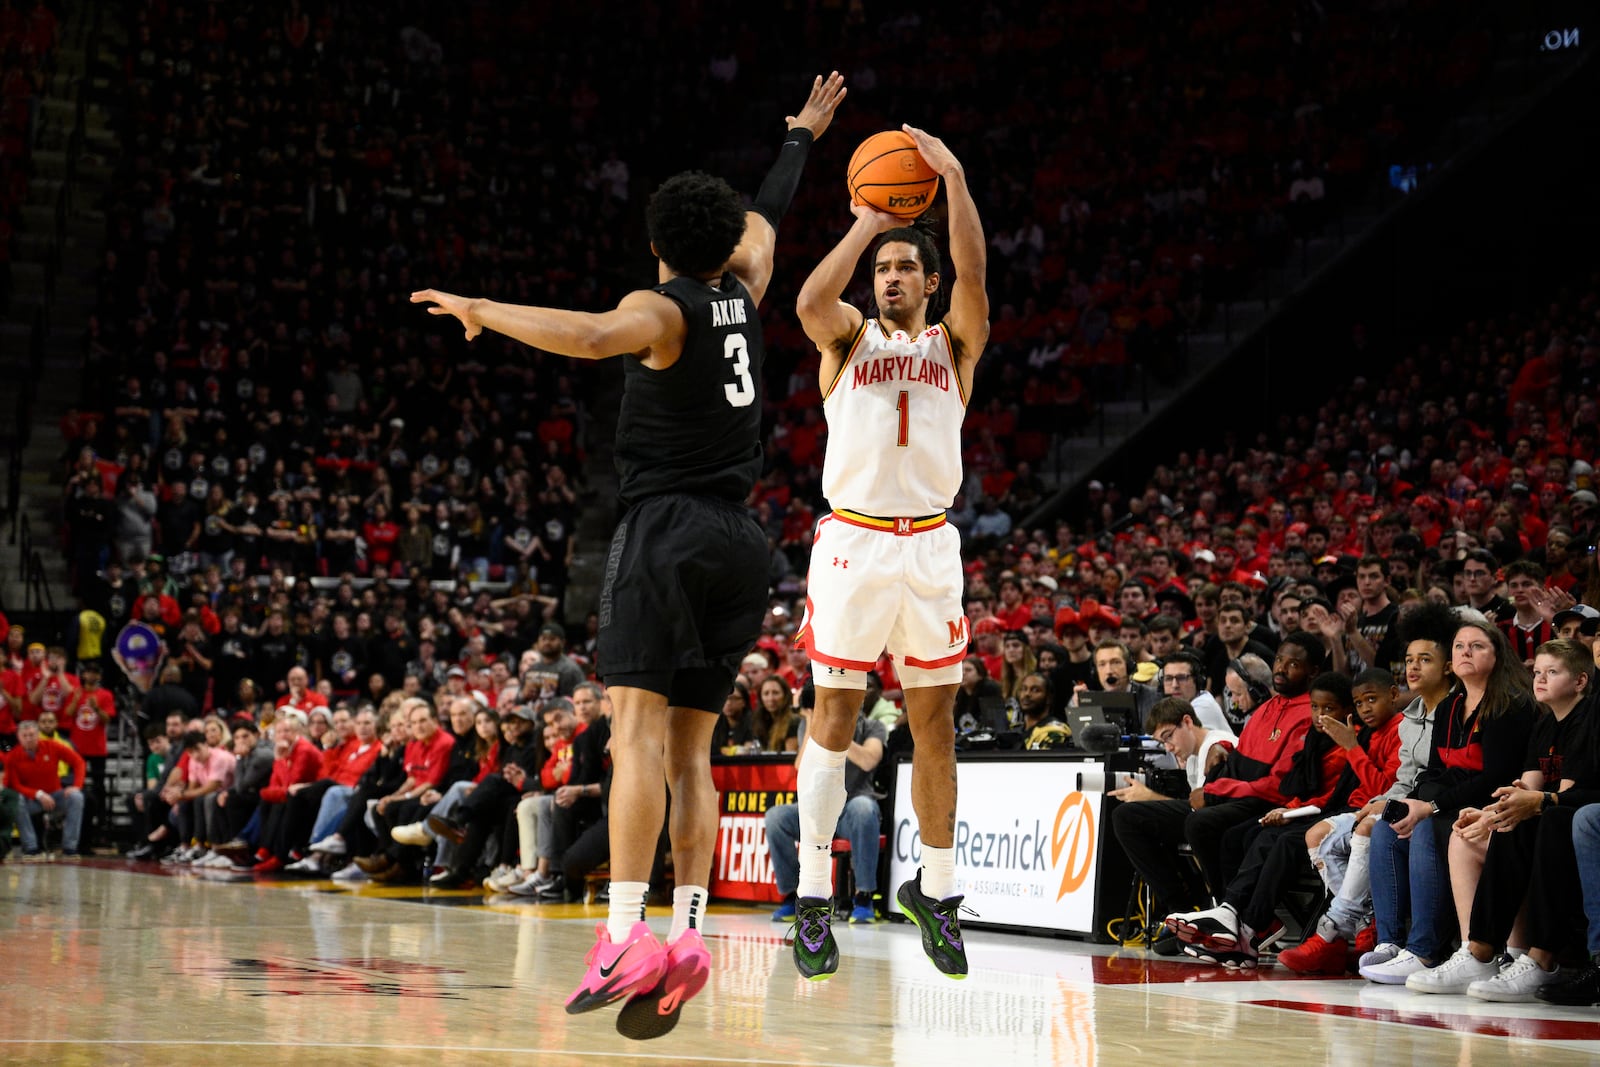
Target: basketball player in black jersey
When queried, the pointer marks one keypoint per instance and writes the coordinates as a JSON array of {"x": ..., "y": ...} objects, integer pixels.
[{"x": 685, "y": 585}]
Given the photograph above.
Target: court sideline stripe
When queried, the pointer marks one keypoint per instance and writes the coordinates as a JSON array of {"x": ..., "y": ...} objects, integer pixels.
[{"x": 534, "y": 1050}]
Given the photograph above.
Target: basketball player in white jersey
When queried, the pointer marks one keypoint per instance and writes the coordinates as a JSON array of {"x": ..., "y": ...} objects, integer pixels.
[{"x": 886, "y": 567}]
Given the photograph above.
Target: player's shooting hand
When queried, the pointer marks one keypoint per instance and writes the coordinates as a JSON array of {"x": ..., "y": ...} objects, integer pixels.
[
  {"x": 881, "y": 222},
  {"x": 933, "y": 151},
  {"x": 820, "y": 105},
  {"x": 450, "y": 304}
]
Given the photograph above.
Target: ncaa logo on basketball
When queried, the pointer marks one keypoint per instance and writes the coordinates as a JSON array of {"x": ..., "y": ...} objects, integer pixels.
[{"x": 907, "y": 199}]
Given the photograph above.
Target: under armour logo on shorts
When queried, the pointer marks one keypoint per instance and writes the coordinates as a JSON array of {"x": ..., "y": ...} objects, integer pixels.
[{"x": 844, "y": 563}]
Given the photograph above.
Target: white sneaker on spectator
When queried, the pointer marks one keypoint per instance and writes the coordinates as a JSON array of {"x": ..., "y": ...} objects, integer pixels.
[
  {"x": 1380, "y": 954},
  {"x": 531, "y": 885},
  {"x": 333, "y": 845},
  {"x": 1454, "y": 975},
  {"x": 1396, "y": 971},
  {"x": 204, "y": 859},
  {"x": 350, "y": 873},
  {"x": 214, "y": 861},
  {"x": 504, "y": 878},
  {"x": 1515, "y": 983},
  {"x": 309, "y": 865},
  {"x": 412, "y": 833}
]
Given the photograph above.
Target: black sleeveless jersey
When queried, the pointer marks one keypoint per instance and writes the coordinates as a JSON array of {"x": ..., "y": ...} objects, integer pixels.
[{"x": 696, "y": 426}]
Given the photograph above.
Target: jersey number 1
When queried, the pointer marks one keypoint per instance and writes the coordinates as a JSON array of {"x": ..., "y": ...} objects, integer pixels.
[
  {"x": 741, "y": 392},
  {"x": 903, "y": 406}
]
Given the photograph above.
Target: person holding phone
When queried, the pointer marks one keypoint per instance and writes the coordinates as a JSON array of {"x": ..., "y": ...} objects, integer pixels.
[{"x": 1480, "y": 734}]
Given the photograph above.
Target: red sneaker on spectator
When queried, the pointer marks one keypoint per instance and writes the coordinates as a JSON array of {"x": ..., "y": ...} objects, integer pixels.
[
  {"x": 1316, "y": 956},
  {"x": 1367, "y": 939},
  {"x": 267, "y": 866}
]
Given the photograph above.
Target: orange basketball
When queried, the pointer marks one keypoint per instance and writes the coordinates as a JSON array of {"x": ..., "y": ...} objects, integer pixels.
[{"x": 888, "y": 173}]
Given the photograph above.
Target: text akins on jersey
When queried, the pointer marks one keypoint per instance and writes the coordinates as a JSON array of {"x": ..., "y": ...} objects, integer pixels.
[
  {"x": 727, "y": 312},
  {"x": 900, "y": 369}
]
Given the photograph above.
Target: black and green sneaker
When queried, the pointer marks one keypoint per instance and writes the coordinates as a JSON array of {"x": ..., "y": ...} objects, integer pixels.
[
  {"x": 940, "y": 925},
  {"x": 816, "y": 953}
]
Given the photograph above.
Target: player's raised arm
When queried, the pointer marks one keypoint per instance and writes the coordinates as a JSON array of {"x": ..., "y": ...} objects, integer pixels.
[
  {"x": 827, "y": 319},
  {"x": 751, "y": 262},
  {"x": 968, "y": 320},
  {"x": 642, "y": 320}
]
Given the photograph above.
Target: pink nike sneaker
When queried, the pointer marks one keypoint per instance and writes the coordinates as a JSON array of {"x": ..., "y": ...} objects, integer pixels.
[
  {"x": 615, "y": 970},
  {"x": 655, "y": 1012}
]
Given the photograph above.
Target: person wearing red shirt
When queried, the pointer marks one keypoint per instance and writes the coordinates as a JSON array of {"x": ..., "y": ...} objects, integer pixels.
[
  {"x": 1248, "y": 786},
  {"x": 381, "y": 535},
  {"x": 1013, "y": 612},
  {"x": 86, "y": 717},
  {"x": 31, "y": 770},
  {"x": 11, "y": 699},
  {"x": 50, "y": 688},
  {"x": 427, "y": 757},
  {"x": 300, "y": 694},
  {"x": 296, "y": 762}
]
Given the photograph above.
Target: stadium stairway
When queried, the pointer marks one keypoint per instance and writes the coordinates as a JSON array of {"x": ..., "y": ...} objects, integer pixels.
[{"x": 58, "y": 248}]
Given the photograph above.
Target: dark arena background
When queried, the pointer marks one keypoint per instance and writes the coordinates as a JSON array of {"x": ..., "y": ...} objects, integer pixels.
[{"x": 1294, "y": 352}]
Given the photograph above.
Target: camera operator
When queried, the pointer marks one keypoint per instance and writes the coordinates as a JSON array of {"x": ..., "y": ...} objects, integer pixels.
[{"x": 1150, "y": 825}]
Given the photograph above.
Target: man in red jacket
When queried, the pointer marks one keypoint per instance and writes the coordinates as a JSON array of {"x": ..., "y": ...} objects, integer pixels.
[
  {"x": 1248, "y": 787},
  {"x": 296, "y": 762},
  {"x": 31, "y": 771}
]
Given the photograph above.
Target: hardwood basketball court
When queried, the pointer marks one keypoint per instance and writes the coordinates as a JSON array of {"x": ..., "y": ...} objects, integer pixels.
[{"x": 113, "y": 963}]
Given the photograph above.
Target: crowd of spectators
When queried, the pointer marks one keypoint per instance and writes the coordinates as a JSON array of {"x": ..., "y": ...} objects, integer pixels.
[
  {"x": 263, "y": 409},
  {"x": 258, "y": 387}
]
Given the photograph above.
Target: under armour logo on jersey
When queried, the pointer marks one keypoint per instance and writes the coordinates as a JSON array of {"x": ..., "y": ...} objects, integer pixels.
[
  {"x": 843, "y": 563},
  {"x": 835, "y": 672}
]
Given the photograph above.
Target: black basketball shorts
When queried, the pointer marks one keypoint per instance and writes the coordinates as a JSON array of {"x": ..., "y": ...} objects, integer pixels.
[{"x": 685, "y": 588}]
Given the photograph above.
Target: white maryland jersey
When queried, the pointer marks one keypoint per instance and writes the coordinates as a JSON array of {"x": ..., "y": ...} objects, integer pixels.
[{"x": 894, "y": 425}]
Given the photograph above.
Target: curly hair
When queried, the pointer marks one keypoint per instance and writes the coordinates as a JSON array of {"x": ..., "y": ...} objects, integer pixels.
[
  {"x": 1429, "y": 621},
  {"x": 695, "y": 222}
]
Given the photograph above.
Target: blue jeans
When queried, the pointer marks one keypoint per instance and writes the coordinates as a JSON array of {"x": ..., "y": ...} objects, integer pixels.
[
  {"x": 68, "y": 804},
  {"x": 1409, "y": 878},
  {"x": 331, "y": 812},
  {"x": 858, "y": 824},
  {"x": 1586, "y": 841},
  {"x": 447, "y": 804}
]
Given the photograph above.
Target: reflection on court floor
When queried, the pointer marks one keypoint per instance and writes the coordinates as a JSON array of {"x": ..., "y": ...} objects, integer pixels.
[{"x": 105, "y": 963}]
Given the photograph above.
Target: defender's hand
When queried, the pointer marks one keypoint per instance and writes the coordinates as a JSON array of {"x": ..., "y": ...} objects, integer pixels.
[
  {"x": 450, "y": 304},
  {"x": 820, "y": 105}
]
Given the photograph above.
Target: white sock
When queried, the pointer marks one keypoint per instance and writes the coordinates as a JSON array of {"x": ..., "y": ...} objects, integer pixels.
[
  {"x": 820, "y": 797},
  {"x": 688, "y": 911},
  {"x": 627, "y": 908},
  {"x": 938, "y": 872}
]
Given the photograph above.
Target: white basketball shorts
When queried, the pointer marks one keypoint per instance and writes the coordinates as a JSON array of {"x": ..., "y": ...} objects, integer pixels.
[{"x": 871, "y": 589}]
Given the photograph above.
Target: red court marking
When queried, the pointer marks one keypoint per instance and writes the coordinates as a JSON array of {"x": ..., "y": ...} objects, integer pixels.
[{"x": 1485, "y": 1026}]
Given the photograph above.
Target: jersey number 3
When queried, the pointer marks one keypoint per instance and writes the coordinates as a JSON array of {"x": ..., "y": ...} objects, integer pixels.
[{"x": 741, "y": 392}]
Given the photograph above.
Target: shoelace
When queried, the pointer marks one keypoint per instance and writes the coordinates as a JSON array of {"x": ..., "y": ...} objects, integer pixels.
[
  {"x": 811, "y": 923},
  {"x": 949, "y": 913}
]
